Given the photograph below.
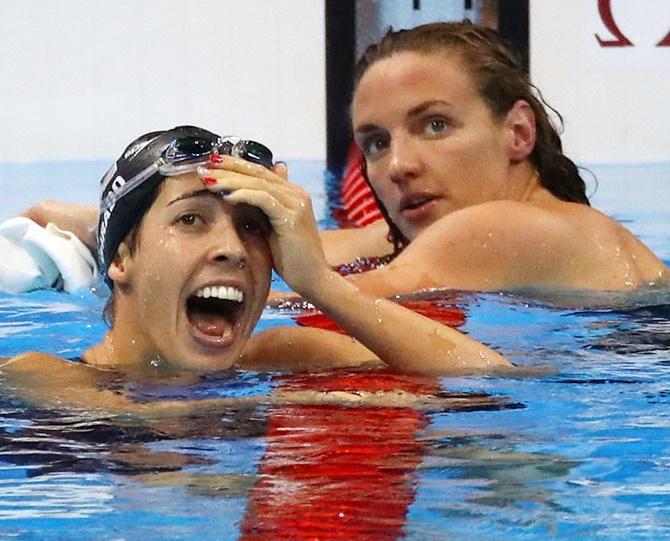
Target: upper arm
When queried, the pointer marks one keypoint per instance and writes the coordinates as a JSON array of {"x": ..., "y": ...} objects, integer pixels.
[
  {"x": 344, "y": 245},
  {"x": 303, "y": 348},
  {"x": 49, "y": 381}
]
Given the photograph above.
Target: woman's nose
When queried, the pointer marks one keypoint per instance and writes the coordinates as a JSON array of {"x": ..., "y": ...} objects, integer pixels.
[
  {"x": 405, "y": 161},
  {"x": 227, "y": 246},
  {"x": 232, "y": 258}
]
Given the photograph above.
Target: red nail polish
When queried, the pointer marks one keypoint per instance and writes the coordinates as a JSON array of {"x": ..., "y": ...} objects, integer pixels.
[
  {"x": 208, "y": 181},
  {"x": 215, "y": 158}
]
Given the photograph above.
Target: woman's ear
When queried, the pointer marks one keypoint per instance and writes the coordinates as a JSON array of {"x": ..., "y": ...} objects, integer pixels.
[
  {"x": 520, "y": 120},
  {"x": 120, "y": 269}
]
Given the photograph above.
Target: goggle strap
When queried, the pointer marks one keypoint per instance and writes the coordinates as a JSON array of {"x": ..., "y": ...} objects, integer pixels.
[
  {"x": 172, "y": 167},
  {"x": 187, "y": 166},
  {"x": 109, "y": 175},
  {"x": 113, "y": 196}
]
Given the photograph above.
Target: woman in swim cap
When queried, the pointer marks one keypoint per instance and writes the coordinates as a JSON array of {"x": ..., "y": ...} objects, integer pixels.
[
  {"x": 189, "y": 230},
  {"x": 469, "y": 172}
]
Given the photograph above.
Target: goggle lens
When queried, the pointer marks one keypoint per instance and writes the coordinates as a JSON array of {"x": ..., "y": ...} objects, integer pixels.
[
  {"x": 256, "y": 153},
  {"x": 189, "y": 147},
  {"x": 186, "y": 153}
]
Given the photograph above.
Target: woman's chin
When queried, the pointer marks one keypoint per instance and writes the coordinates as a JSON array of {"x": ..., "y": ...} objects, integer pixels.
[{"x": 197, "y": 357}]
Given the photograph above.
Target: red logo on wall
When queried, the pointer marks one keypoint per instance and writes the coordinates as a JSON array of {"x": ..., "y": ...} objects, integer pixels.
[{"x": 620, "y": 40}]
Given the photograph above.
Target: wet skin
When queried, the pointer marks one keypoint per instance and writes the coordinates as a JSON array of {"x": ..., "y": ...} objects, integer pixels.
[
  {"x": 432, "y": 145},
  {"x": 188, "y": 240},
  {"x": 459, "y": 184},
  {"x": 194, "y": 239}
]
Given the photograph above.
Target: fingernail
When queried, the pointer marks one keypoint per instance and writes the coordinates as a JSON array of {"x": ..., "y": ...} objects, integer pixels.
[
  {"x": 215, "y": 158},
  {"x": 208, "y": 181},
  {"x": 224, "y": 193}
]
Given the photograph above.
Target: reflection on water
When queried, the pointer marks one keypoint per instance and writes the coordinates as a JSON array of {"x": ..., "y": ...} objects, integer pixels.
[
  {"x": 362, "y": 455},
  {"x": 579, "y": 453},
  {"x": 49, "y": 321},
  {"x": 335, "y": 470},
  {"x": 56, "y": 496},
  {"x": 635, "y": 331}
]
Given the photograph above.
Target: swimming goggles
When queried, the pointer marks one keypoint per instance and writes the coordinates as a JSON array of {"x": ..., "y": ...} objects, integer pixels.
[{"x": 186, "y": 154}]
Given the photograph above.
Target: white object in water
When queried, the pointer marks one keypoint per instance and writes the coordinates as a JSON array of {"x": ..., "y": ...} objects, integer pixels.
[{"x": 35, "y": 257}]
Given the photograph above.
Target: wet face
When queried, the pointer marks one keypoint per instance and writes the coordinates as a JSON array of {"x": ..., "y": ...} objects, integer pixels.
[
  {"x": 431, "y": 144},
  {"x": 198, "y": 279}
]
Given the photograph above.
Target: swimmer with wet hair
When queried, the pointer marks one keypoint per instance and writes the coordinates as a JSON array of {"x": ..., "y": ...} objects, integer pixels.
[
  {"x": 190, "y": 227},
  {"x": 469, "y": 172}
]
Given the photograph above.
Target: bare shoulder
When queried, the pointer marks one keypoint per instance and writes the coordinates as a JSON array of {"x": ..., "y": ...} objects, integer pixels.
[
  {"x": 34, "y": 369},
  {"x": 508, "y": 243},
  {"x": 556, "y": 221},
  {"x": 50, "y": 381},
  {"x": 500, "y": 216},
  {"x": 32, "y": 362},
  {"x": 493, "y": 245}
]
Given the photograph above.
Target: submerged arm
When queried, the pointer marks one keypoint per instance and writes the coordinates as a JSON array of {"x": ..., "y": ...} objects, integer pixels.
[{"x": 51, "y": 382}]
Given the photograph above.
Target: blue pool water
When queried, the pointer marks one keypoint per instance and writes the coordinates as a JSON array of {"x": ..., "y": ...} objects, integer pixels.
[{"x": 580, "y": 452}]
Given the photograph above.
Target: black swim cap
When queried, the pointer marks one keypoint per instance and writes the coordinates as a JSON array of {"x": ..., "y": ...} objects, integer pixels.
[{"x": 118, "y": 218}]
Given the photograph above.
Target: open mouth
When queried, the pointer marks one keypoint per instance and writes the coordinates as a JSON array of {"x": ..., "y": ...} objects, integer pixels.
[{"x": 214, "y": 310}]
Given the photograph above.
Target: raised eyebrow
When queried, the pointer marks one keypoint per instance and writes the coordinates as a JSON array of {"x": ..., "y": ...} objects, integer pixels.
[{"x": 201, "y": 192}]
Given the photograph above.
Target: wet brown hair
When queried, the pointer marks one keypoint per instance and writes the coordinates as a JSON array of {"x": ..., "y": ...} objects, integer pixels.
[{"x": 502, "y": 80}]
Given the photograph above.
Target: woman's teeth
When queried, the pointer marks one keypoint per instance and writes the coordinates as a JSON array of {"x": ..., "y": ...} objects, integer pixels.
[{"x": 221, "y": 292}]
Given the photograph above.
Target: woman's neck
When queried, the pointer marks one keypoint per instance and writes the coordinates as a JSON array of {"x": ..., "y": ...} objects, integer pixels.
[
  {"x": 112, "y": 353},
  {"x": 121, "y": 347},
  {"x": 526, "y": 185}
]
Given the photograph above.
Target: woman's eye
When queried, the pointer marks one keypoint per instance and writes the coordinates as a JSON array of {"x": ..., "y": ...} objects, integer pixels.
[
  {"x": 373, "y": 146},
  {"x": 190, "y": 220},
  {"x": 436, "y": 126}
]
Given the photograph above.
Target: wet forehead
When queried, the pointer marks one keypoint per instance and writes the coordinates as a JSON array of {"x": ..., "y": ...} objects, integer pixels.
[
  {"x": 176, "y": 192},
  {"x": 178, "y": 187},
  {"x": 409, "y": 78}
]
